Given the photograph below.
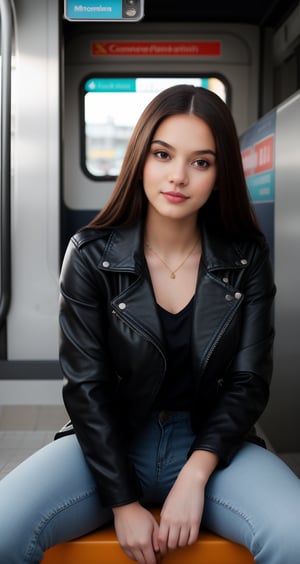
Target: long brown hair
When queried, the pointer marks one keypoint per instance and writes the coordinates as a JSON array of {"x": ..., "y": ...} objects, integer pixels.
[{"x": 230, "y": 204}]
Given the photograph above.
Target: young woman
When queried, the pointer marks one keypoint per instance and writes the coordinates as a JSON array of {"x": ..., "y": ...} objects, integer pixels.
[{"x": 166, "y": 350}]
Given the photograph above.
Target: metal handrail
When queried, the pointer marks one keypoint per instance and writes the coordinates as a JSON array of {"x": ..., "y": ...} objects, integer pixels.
[{"x": 5, "y": 160}]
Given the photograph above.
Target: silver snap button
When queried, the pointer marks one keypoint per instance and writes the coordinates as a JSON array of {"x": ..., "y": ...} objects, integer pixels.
[
  {"x": 106, "y": 263},
  {"x": 225, "y": 279},
  {"x": 237, "y": 295},
  {"x": 244, "y": 261},
  {"x": 228, "y": 297},
  {"x": 122, "y": 305}
]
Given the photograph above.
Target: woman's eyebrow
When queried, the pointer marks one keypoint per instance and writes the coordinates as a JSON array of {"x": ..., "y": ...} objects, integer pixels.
[
  {"x": 199, "y": 152},
  {"x": 160, "y": 142}
]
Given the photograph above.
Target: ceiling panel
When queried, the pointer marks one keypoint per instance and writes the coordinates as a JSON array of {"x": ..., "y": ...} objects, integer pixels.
[{"x": 258, "y": 12}]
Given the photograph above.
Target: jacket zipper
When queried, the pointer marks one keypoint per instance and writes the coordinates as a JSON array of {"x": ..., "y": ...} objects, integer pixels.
[{"x": 220, "y": 335}]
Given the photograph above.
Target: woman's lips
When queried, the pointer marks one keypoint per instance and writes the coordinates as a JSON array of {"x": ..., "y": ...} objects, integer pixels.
[{"x": 174, "y": 197}]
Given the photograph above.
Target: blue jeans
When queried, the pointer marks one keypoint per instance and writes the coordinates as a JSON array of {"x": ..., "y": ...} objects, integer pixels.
[{"x": 51, "y": 497}]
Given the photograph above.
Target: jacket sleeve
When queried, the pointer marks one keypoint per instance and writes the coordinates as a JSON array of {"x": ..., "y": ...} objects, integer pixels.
[
  {"x": 245, "y": 385},
  {"x": 89, "y": 381}
]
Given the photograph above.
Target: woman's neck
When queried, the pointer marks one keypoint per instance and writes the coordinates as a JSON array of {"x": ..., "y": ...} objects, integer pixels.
[{"x": 165, "y": 234}]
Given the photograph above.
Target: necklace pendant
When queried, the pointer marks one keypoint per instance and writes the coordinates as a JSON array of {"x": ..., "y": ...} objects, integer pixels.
[{"x": 172, "y": 275}]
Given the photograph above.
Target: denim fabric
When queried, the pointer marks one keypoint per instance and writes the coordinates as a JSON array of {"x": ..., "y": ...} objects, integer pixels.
[{"x": 52, "y": 497}]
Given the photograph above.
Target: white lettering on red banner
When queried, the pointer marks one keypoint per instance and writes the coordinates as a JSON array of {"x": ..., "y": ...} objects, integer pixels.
[
  {"x": 156, "y": 48},
  {"x": 260, "y": 157}
]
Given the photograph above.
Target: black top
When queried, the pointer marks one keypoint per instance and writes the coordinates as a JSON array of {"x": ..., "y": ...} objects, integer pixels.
[{"x": 177, "y": 389}]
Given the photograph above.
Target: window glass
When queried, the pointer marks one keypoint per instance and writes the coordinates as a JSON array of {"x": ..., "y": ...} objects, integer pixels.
[{"x": 111, "y": 108}]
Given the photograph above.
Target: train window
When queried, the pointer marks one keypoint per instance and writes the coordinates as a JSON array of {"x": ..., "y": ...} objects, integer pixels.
[{"x": 110, "y": 109}]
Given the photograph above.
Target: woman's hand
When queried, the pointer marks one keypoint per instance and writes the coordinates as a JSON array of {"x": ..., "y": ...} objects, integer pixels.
[
  {"x": 182, "y": 511},
  {"x": 137, "y": 532}
]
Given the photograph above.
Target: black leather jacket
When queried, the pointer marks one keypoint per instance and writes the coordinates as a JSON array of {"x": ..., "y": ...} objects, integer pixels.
[{"x": 112, "y": 351}]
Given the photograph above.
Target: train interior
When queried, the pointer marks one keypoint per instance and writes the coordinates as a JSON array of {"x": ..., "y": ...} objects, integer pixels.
[{"x": 58, "y": 170}]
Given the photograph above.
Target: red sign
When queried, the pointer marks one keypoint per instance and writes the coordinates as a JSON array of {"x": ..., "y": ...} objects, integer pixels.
[
  {"x": 260, "y": 157},
  {"x": 156, "y": 48}
]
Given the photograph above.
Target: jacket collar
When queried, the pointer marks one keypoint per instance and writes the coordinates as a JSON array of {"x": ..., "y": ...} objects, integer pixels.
[
  {"x": 124, "y": 250},
  {"x": 221, "y": 252}
]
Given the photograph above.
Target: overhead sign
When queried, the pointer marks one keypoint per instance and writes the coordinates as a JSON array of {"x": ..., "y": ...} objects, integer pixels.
[
  {"x": 105, "y": 10},
  {"x": 156, "y": 48}
]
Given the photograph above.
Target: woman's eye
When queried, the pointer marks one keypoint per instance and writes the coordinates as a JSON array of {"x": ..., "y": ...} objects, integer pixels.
[
  {"x": 161, "y": 155},
  {"x": 201, "y": 163}
]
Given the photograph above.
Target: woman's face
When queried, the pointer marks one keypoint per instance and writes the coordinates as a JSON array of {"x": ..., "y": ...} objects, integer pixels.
[{"x": 180, "y": 170}]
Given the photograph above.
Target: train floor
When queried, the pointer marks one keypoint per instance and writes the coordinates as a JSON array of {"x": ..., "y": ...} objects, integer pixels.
[{"x": 25, "y": 429}]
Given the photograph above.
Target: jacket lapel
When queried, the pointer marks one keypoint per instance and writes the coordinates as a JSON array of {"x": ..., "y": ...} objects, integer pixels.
[{"x": 215, "y": 299}]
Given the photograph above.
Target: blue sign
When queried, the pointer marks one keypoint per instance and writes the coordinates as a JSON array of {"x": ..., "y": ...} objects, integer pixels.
[
  {"x": 257, "y": 147},
  {"x": 103, "y": 10},
  {"x": 258, "y": 153}
]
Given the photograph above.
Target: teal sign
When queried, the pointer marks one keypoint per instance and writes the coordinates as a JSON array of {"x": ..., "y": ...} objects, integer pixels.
[
  {"x": 110, "y": 85},
  {"x": 101, "y": 10}
]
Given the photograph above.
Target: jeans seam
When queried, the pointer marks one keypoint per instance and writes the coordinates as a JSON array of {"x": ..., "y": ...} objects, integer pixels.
[
  {"x": 236, "y": 511},
  {"x": 54, "y": 513}
]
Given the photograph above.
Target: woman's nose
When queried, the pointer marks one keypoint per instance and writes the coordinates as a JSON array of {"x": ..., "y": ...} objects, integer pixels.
[{"x": 178, "y": 174}]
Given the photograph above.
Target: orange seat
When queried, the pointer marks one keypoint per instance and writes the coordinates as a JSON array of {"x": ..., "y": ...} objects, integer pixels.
[{"x": 102, "y": 547}]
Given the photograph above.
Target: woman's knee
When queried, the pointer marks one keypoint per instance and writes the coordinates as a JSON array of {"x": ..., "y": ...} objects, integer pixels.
[
  {"x": 279, "y": 543},
  {"x": 18, "y": 547}
]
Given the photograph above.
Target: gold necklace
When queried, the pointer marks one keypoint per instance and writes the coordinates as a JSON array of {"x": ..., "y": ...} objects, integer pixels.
[{"x": 172, "y": 272}]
